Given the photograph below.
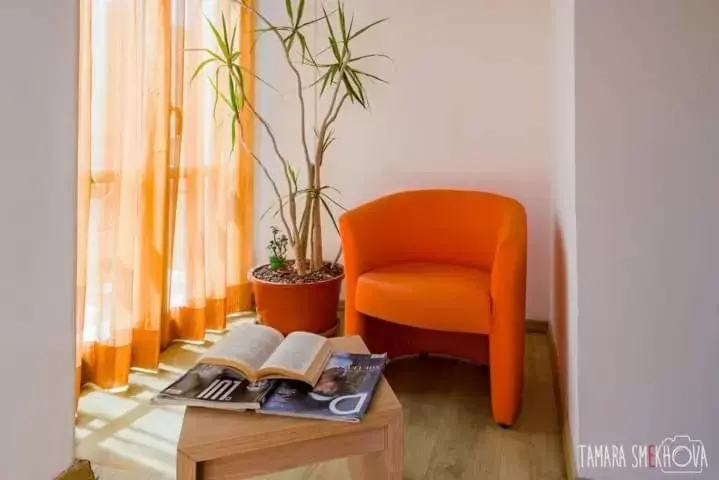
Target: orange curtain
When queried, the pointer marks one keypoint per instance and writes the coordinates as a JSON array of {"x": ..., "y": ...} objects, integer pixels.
[{"x": 165, "y": 202}]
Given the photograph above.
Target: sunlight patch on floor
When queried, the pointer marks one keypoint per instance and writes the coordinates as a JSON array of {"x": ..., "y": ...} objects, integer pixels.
[{"x": 122, "y": 434}]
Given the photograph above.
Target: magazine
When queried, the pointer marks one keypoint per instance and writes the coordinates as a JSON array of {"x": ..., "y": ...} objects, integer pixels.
[
  {"x": 343, "y": 392},
  {"x": 217, "y": 387},
  {"x": 259, "y": 352}
]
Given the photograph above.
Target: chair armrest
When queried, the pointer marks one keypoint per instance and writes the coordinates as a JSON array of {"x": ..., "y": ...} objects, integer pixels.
[
  {"x": 509, "y": 272},
  {"x": 357, "y": 259},
  {"x": 354, "y": 252}
]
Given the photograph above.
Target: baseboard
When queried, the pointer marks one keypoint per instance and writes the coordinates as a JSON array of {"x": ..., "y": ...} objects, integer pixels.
[
  {"x": 532, "y": 325},
  {"x": 567, "y": 443}
]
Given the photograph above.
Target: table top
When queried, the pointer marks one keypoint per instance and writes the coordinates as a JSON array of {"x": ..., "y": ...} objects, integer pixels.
[{"x": 211, "y": 433}]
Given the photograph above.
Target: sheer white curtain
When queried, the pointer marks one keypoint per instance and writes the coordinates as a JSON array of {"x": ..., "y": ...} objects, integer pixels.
[{"x": 165, "y": 204}]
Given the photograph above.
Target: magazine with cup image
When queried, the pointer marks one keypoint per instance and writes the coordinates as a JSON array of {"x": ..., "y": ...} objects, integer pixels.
[
  {"x": 215, "y": 386},
  {"x": 342, "y": 393}
]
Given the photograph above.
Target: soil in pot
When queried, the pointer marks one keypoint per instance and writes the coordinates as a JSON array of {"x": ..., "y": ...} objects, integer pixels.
[{"x": 287, "y": 274}]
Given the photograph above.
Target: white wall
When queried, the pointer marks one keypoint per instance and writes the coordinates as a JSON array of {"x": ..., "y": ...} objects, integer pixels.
[
  {"x": 647, "y": 165},
  {"x": 467, "y": 106},
  {"x": 38, "y": 105},
  {"x": 564, "y": 309}
]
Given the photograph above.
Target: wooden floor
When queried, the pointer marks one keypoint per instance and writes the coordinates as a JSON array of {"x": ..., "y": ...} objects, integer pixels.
[{"x": 449, "y": 432}]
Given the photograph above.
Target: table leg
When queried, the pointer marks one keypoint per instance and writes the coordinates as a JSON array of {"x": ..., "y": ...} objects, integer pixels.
[
  {"x": 385, "y": 465},
  {"x": 186, "y": 468}
]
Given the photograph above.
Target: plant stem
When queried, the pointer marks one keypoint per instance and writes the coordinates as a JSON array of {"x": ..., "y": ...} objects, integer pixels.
[
  {"x": 325, "y": 122},
  {"x": 306, "y": 212},
  {"x": 298, "y": 77},
  {"x": 291, "y": 199},
  {"x": 337, "y": 111},
  {"x": 317, "y": 254}
]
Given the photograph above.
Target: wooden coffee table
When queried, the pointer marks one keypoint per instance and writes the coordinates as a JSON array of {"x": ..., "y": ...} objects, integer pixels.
[{"x": 216, "y": 444}]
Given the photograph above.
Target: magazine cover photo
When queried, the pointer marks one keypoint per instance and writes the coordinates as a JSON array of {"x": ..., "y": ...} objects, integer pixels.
[{"x": 343, "y": 392}]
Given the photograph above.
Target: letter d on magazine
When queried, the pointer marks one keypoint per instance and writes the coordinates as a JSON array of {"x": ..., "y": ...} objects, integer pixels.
[
  {"x": 343, "y": 392},
  {"x": 348, "y": 404}
]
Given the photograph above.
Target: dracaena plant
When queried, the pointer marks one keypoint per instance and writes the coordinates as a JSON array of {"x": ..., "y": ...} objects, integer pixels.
[{"x": 338, "y": 75}]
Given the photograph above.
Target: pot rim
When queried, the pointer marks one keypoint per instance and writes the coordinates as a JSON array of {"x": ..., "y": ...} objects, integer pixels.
[{"x": 251, "y": 276}]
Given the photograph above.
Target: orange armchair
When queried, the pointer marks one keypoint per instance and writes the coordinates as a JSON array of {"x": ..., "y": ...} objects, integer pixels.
[{"x": 441, "y": 271}]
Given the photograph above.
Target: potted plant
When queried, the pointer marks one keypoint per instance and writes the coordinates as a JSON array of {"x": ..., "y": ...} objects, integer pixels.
[{"x": 300, "y": 293}]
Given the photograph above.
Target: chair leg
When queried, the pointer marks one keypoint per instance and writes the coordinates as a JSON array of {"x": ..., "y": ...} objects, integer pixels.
[
  {"x": 506, "y": 372},
  {"x": 354, "y": 323}
]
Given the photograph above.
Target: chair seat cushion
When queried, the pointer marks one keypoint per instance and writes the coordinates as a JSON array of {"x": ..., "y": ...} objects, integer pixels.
[{"x": 432, "y": 296}]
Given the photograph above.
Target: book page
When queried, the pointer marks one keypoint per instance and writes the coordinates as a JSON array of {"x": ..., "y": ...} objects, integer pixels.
[
  {"x": 246, "y": 348},
  {"x": 299, "y": 354}
]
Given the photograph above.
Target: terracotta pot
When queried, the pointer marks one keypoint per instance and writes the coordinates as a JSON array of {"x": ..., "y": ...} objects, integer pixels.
[{"x": 309, "y": 307}]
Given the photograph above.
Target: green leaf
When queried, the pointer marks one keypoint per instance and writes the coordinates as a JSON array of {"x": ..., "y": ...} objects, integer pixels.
[
  {"x": 256, "y": 40},
  {"x": 288, "y": 7},
  {"x": 237, "y": 74},
  {"x": 329, "y": 26},
  {"x": 218, "y": 93},
  {"x": 234, "y": 37},
  {"x": 330, "y": 187},
  {"x": 349, "y": 30},
  {"x": 366, "y": 27},
  {"x": 240, "y": 95},
  {"x": 328, "y": 78},
  {"x": 293, "y": 175},
  {"x": 369, "y": 75},
  {"x": 202, "y": 65},
  {"x": 362, "y": 57},
  {"x": 266, "y": 212},
  {"x": 355, "y": 79},
  {"x": 233, "y": 134},
  {"x": 330, "y": 214},
  {"x": 335, "y": 71},
  {"x": 328, "y": 142},
  {"x": 224, "y": 35},
  {"x": 335, "y": 49},
  {"x": 233, "y": 96},
  {"x": 275, "y": 208},
  {"x": 320, "y": 79},
  {"x": 289, "y": 40},
  {"x": 306, "y": 52},
  {"x": 300, "y": 12},
  {"x": 310, "y": 22},
  {"x": 260, "y": 79},
  {"x": 333, "y": 201},
  {"x": 272, "y": 29},
  {"x": 218, "y": 39},
  {"x": 207, "y": 51},
  {"x": 341, "y": 15},
  {"x": 350, "y": 89}
]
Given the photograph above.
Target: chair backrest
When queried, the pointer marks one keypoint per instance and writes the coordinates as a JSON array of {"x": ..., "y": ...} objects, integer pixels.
[{"x": 458, "y": 227}]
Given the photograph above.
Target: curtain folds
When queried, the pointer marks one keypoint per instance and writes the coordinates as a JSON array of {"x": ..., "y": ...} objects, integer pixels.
[{"x": 164, "y": 200}]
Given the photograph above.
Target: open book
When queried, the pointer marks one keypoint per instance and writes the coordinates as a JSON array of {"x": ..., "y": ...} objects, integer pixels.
[{"x": 260, "y": 352}]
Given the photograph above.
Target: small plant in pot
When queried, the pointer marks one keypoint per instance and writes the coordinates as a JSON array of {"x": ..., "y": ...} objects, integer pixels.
[
  {"x": 278, "y": 250},
  {"x": 301, "y": 293}
]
